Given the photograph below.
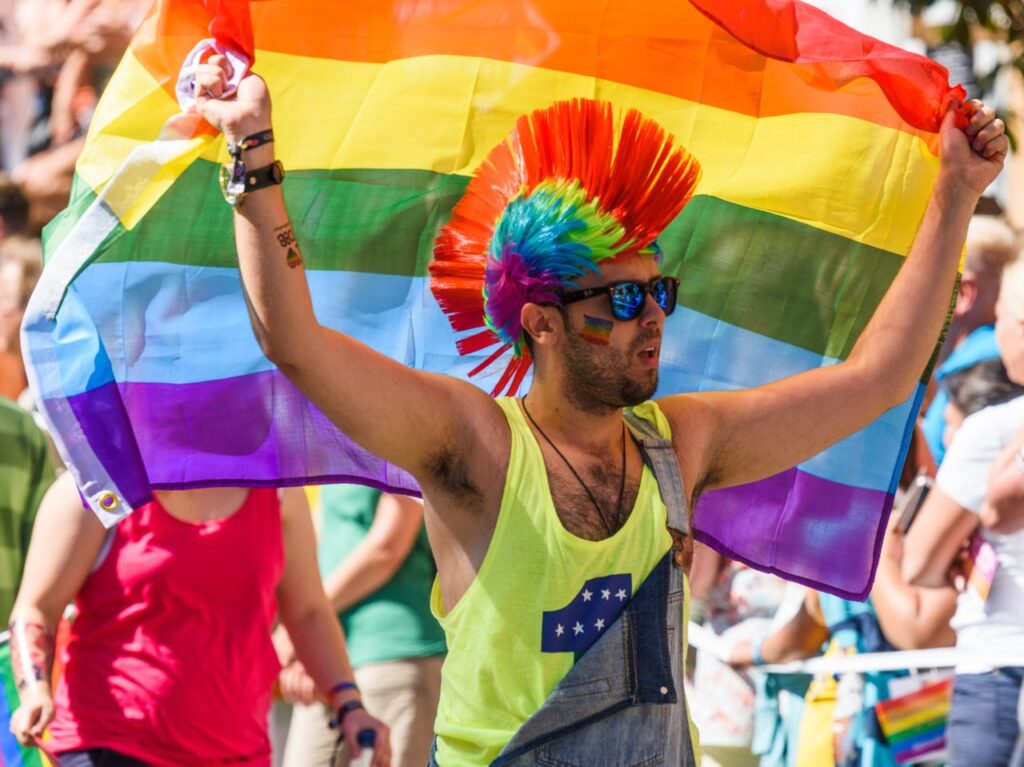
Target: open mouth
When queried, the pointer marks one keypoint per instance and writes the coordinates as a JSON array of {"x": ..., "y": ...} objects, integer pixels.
[{"x": 649, "y": 352}]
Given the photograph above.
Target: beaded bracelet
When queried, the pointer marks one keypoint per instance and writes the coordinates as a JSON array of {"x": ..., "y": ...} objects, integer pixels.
[
  {"x": 232, "y": 176},
  {"x": 251, "y": 142}
]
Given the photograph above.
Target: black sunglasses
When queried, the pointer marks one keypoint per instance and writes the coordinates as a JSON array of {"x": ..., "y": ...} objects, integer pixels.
[{"x": 628, "y": 297}]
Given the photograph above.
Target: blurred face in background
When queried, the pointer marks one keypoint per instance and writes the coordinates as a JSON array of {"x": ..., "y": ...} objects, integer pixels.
[
  {"x": 11, "y": 307},
  {"x": 954, "y": 418},
  {"x": 1010, "y": 335},
  {"x": 20, "y": 265}
]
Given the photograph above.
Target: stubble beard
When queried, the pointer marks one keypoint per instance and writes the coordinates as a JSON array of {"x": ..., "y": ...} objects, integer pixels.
[{"x": 597, "y": 378}]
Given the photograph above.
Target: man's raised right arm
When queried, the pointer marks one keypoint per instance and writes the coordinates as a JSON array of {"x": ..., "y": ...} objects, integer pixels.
[{"x": 405, "y": 416}]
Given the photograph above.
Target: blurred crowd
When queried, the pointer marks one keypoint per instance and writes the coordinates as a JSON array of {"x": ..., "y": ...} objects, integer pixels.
[
  {"x": 55, "y": 58},
  {"x": 951, "y": 567}
]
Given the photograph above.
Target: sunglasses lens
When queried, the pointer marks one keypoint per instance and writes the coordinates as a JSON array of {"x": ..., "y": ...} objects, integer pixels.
[
  {"x": 664, "y": 292},
  {"x": 627, "y": 300}
]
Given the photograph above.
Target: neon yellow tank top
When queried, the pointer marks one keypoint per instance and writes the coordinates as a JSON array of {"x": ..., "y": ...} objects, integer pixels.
[{"x": 540, "y": 595}]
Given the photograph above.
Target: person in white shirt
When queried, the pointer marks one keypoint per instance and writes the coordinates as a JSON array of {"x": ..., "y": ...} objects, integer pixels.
[{"x": 983, "y": 722}]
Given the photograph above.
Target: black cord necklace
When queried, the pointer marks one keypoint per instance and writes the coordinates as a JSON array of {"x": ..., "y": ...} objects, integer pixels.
[{"x": 590, "y": 495}]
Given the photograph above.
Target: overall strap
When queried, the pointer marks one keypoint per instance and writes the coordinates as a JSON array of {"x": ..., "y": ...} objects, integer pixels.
[{"x": 660, "y": 456}]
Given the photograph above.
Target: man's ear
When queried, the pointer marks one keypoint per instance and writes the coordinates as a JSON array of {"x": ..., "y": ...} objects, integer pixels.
[{"x": 542, "y": 323}]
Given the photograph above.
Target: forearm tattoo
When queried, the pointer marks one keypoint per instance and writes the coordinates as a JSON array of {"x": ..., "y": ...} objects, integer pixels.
[
  {"x": 32, "y": 647},
  {"x": 286, "y": 239}
]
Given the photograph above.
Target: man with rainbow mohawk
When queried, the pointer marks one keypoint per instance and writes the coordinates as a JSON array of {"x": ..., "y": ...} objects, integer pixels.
[
  {"x": 566, "y": 192},
  {"x": 558, "y": 585}
]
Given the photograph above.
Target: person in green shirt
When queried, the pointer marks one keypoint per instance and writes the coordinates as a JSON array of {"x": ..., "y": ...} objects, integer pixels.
[
  {"x": 26, "y": 471},
  {"x": 377, "y": 571}
]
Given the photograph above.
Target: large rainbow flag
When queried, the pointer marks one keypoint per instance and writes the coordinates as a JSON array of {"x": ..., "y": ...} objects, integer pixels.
[{"x": 818, "y": 147}]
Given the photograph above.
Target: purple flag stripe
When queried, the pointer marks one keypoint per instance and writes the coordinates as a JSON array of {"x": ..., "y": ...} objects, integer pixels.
[
  {"x": 833, "y": 527},
  {"x": 935, "y": 743},
  {"x": 190, "y": 437}
]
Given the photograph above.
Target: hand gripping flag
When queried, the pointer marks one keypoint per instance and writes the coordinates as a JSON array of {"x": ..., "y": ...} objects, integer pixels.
[
  {"x": 12, "y": 753},
  {"x": 818, "y": 148}
]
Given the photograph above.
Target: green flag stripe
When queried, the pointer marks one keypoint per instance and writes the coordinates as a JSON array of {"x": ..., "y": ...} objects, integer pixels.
[{"x": 768, "y": 274}]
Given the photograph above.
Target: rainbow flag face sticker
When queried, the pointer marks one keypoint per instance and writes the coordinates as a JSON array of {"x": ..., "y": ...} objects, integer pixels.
[
  {"x": 596, "y": 330},
  {"x": 818, "y": 148}
]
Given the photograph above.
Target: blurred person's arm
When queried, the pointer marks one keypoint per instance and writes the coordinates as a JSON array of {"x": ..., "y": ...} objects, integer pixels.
[
  {"x": 376, "y": 558},
  {"x": 371, "y": 564},
  {"x": 934, "y": 541},
  {"x": 1003, "y": 511},
  {"x": 313, "y": 627},
  {"x": 75, "y": 73},
  {"x": 56, "y": 31},
  {"x": 41, "y": 477},
  {"x": 66, "y": 540},
  {"x": 45, "y": 178},
  {"x": 22, "y": 59},
  {"x": 911, "y": 617},
  {"x": 951, "y": 513},
  {"x": 45, "y": 34},
  {"x": 802, "y": 637},
  {"x": 707, "y": 564}
]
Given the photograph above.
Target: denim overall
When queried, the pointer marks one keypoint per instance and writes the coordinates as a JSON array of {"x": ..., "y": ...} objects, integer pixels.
[{"x": 622, "y": 703}]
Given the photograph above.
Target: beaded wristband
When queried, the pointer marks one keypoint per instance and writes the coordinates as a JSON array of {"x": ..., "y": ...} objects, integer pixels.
[
  {"x": 251, "y": 142},
  {"x": 232, "y": 176}
]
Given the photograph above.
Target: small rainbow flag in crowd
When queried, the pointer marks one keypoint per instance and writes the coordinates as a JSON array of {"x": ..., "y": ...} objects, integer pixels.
[
  {"x": 915, "y": 724},
  {"x": 819, "y": 151}
]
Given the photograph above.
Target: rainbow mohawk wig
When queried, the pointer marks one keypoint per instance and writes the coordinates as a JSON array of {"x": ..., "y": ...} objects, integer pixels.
[{"x": 569, "y": 188}]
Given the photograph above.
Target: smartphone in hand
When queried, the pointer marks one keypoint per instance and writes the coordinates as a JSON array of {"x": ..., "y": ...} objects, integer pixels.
[{"x": 914, "y": 500}]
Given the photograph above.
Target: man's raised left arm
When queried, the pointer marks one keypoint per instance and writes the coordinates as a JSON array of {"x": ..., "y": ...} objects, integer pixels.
[{"x": 738, "y": 437}]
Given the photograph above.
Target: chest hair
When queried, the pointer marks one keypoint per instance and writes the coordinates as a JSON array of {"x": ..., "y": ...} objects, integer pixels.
[{"x": 575, "y": 508}]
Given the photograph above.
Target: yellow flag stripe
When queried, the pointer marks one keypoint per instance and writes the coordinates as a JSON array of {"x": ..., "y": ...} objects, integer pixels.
[{"x": 444, "y": 113}]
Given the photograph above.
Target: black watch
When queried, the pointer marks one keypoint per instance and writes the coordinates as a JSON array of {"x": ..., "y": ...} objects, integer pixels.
[
  {"x": 235, "y": 189},
  {"x": 268, "y": 175}
]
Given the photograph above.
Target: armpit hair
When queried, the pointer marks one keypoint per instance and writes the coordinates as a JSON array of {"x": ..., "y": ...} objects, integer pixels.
[
  {"x": 711, "y": 478},
  {"x": 450, "y": 467}
]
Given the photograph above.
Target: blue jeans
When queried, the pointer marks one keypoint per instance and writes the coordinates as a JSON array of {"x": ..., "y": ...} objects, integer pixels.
[
  {"x": 983, "y": 725},
  {"x": 622, "y": 704},
  {"x": 97, "y": 757}
]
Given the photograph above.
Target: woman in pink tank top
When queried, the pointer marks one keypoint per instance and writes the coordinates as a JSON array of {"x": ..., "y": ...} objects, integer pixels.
[{"x": 170, "y": 662}]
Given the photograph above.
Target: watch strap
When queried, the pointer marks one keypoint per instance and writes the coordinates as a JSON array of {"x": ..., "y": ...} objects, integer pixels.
[
  {"x": 344, "y": 710},
  {"x": 260, "y": 178},
  {"x": 251, "y": 142}
]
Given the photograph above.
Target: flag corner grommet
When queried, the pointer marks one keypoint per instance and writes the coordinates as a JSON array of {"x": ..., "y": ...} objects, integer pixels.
[{"x": 108, "y": 501}]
